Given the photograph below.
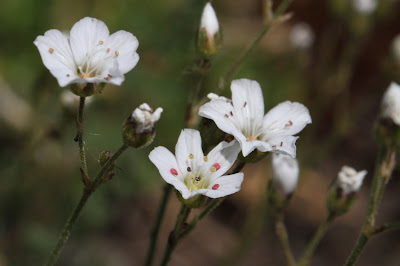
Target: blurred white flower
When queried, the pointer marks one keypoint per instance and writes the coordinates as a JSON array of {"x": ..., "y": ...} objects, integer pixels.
[
  {"x": 244, "y": 119},
  {"x": 364, "y": 7},
  {"x": 209, "y": 21},
  {"x": 396, "y": 48},
  {"x": 89, "y": 54},
  {"x": 144, "y": 117},
  {"x": 301, "y": 35},
  {"x": 285, "y": 173},
  {"x": 192, "y": 173},
  {"x": 390, "y": 106},
  {"x": 349, "y": 180},
  {"x": 71, "y": 101}
]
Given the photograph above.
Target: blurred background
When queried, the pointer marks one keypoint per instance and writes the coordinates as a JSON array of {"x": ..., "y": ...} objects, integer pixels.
[{"x": 334, "y": 56}]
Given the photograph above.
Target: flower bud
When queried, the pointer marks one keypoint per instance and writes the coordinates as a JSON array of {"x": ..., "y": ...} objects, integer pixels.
[
  {"x": 285, "y": 173},
  {"x": 138, "y": 130},
  {"x": 341, "y": 193},
  {"x": 364, "y": 7},
  {"x": 209, "y": 36},
  {"x": 301, "y": 35}
]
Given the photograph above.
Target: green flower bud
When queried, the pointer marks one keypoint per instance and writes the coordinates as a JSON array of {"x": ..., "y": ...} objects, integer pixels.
[
  {"x": 138, "y": 130},
  {"x": 209, "y": 38}
]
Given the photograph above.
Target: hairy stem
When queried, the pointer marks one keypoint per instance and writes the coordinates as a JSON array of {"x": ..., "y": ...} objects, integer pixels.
[{"x": 79, "y": 135}]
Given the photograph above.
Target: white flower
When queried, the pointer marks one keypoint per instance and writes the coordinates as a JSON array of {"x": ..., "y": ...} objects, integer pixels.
[
  {"x": 390, "y": 106},
  {"x": 89, "y": 54},
  {"x": 245, "y": 120},
  {"x": 349, "y": 180},
  {"x": 145, "y": 118},
  {"x": 285, "y": 173},
  {"x": 192, "y": 173},
  {"x": 213, "y": 96},
  {"x": 209, "y": 21},
  {"x": 364, "y": 7},
  {"x": 301, "y": 35}
]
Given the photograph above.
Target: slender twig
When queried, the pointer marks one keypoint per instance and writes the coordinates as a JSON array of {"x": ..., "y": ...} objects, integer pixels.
[
  {"x": 79, "y": 135},
  {"x": 156, "y": 229},
  {"x": 173, "y": 237},
  {"x": 309, "y": 251},
  {"x": 235, "y": 66},
  {"x": 282, "y": 234},
  {"x": 383, "y": 171},
  {"x": 385, "y": 227},
  {"x": 87, "y": 192}
]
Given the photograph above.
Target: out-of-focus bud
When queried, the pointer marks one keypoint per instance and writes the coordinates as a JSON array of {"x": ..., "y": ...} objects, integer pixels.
[
  {"x": 388, "y": 126},
  {"x": 209, "y": 38},
  {"x": 70, "y": 101},
  {"x": 87, "y": 89},
  {"x": 364, "y": 7},
  {"x": 342, "y": 192},
  {"x": 301, "y": 36},
  {"x": 285, "y": 173},
  {"x": 138, "y": 130}
]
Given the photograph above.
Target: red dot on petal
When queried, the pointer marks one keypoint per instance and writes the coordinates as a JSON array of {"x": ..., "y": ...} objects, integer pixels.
[
  {"x": 173, "y": 171},
  {"x": 217, "y": 166},
  {"x": 215, "y": 187}
]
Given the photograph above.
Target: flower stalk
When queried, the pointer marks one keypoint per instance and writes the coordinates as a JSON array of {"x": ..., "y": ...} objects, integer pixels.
[
  {"x": 79, "y": 135},
  {"x": 282, "y": 234}
]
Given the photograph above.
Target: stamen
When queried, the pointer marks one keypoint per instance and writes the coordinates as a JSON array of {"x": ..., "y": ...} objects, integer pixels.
[
  {"x": 281, "y": 143},
  {"x": 173, "y": 171},
  {"x": 215, "y": 187},
  {"x": 198, "y": 178},
  {"x": 231, "y": 113},
  {"x": 217, "y": 166},
  {"x": 116, "y": 53},
  {"x": 108, "y": 50},
  {"x": 191, "y": 156},
  {"x": 205, "y": 158},
  {"x": 274, "y": 147},
  {"x": 189, "y": 169},
  {"x": 245, "y": 104},
  {"x": 101, "y": 42},
  {"x": 251, "y": 138},
  {"x": 108, "y": 77},
  {"x": 289, "y": 124},
  {"x": 51, "y": 50},
  {"x": 67, "y": 75},
  {"x": 226, "y": 115}
]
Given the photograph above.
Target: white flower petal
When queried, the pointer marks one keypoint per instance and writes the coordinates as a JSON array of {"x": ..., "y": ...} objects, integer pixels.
[
  {"x": 124, "y": 44},
  {"x": 220, "y": 159},
  {"x": 86, "y": 34},
  {"x": 390, "y": 105},
  {"x": 57, "y": 56},
  {"x": 166, "y": 163},
  {"x": 225, "y": 185},
  {"x": 283, "y": 144},
  {"x": 188, "y": 150},
  {"x": 286, "y": 118},
  {"x": 248, "y": 100},
  {"x": 249, "y": 146}
]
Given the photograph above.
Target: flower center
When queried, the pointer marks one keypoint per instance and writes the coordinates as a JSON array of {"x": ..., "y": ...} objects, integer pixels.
[{"x": 196, "y": 182}]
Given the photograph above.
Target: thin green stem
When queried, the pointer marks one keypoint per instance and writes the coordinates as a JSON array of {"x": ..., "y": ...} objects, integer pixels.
[
  {"x": 386, "y": 227},
  {"x": 309, "y": 251},
  {"x": 87, "y": 192},
  {"x": 235, "y": 67},
  {"x": 282, "y": 234},
  {"x": 79, "y": 135},
  {"x": 212, "y": 206},
  {"x": 156, "y": 229},
  {"x": 174, "y": 235},
  {"x": 383, "y": 171}
]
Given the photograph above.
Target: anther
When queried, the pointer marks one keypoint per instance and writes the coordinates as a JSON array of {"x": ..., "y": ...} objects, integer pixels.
[
  {"x": 67, "y": 75},
  {"x": 189, "y": 169},
  {"x": 101, "y": 42},
  {"x": 116, "y": 53},
  {"x": 197, "y": 178},
  {"x": 108, "y": 50},
  {"x": 173, "y": 171},
  {"x": 281, "y": 143},
  {"x": 289, "y": 124},
  {"x": 51, "y": 50},
  {"x": 205, "y": 158},
  {"x": 215, "y": 187},
  {"x": 226, "y": 115},
  {"x": 191, "y": 156},
  {"x": 245, "y": 104},
  {"x": 231, "y": 113},
  {"x": 274, "y": 147},
  {"x": 108, "y": 77},
  {"x": 217, "y": 166}
]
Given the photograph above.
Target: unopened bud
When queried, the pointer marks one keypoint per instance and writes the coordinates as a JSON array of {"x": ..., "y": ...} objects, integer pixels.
[
  {"x": 364, "y": 7},
  {"x": 301, "y": 35},
  {"x": 138, "y": 130},
  {"x": 285, "y": 173},
  {"x": 343, "y": 190},
  {"x": 209, "y": 36}
]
